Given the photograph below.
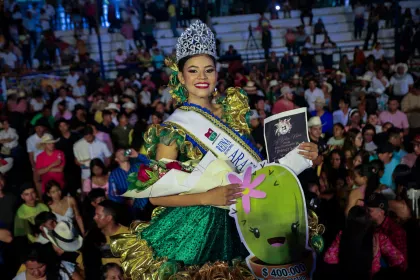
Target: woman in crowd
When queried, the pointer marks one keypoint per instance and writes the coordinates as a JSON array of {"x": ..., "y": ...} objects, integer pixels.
[
  {"x": 41, "y": 263},
  {"x": 355, "y": 121},
  {"x": 98, "y": 177},
  {"x": 352, "y": 143},
  {"x": 358, "y": 250},
  {"x": 64, "y": 208},
  {"x": 369, "y": 133},
  {"x": 112, "y": 271}
]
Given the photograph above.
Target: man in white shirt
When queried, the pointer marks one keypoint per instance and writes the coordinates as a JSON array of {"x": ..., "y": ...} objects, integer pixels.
[
  {"x": 89, "y": 148},
  {"x": 8, "y": 137},
  {"x": 72, "y": 78},
  {"x": 402, "y": 81},
  {"x": 120, "y": 59},
  {"x": 342, "y": 115},
  {"x": 312, "y": 93},
  {"x": 380, "y": 81},
  {"x": 62, "y": 96}
]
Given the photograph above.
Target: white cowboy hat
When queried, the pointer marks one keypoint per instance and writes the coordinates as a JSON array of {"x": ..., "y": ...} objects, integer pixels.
[
  {"x": 129, "y": 105},
  {"x": 46, "y": 139},
  {"x": 403, "y": 65},
  {"x": 273, "y": 83},
  {"x": 328, "y": 85},
  {"x": 314, "y": 121},
  {"x": 365, "y": 77},
  {"x": 112, "y": 106},
  {"x": 129, "y": 92},
  {"x": 296, "y": 77},
  {"x": 254, "y": 115},
  {"x": 63, "y": 237}
]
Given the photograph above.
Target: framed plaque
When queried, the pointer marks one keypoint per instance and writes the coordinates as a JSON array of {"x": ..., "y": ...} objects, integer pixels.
[{"x": 284, "y": 132}]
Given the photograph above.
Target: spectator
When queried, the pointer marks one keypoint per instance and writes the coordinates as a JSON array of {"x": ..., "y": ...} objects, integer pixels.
[
  {"x": 315, "y": 134},
  {"x": 257, "y": 130},
  {"x": 99, "y": 177},
  {"x": 112, "y": 271},
  {"x": 285, "y": 102},
  {"x": 10, "y": 59},
  {"x": 128, "y": 32},
  {"x": 120, "y": 134},
  {"x": 287, "y": 66},
  {"x": 306, "y": 12},
  {"x": 307, "y": 63},
  {"x": 72, "y": 78},
  {"x": 369, "y": 133},
  {"x": 312, "y": 93},
  {"x": 395, "y": 116},
  {"x": 102, "y": 136},
  {"x": 372, "y": 29},
  {"x": 385, "y": 154},
  {"x": 79, "y": 122},
  {"x": 395, "y": 137},
  {"x": 272, "y": 64},
  {"x": 44, "y": 222},
  {"x": 26, "y": 213},
  {"x": 359, "y": 20},
  {"x": 64, "y": 208},
  {"x": 63, "y": 112},
  {"x": 401, "y": 82},
  {"x": 107, "y": 124},
  {"x": 357, "y": 262},
  {"x": 118, "y": 183},
  {"x": 380, "y": 82},
  {"x": 40, "y": 262},
  {"x": 120, "y": 59},
  {"x": 50, "y": 163},
  {"x": 410, "y": 105},
  {"x": 8, "y": 139},
  {"x": 319, "y": 28},
  {"x": 290, "y": 38},
  {"x": 328, "y": 48},
  {"x": 8, "y": 206},
  {"x": 89, "y": 148},
  {"x": 62, "y": 96},
  {"x": 106, "y": 218},
  {"x": 266, "y": 41},
  {"x": 37, "y": 103},
  {"x": 378, "y": 52},
  {"x": 172, "y": 17},
  {"x": 337, "y": 141},
  {"x": 325, "y": 116},
  {"x": 378, "y": 210}
]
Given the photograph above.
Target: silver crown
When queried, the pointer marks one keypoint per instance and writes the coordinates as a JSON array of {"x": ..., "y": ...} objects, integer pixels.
[{"x": 196, "y": 39}]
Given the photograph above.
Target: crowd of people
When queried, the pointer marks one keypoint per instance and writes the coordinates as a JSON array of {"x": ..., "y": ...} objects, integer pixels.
[{"x": 67, "y": 149}]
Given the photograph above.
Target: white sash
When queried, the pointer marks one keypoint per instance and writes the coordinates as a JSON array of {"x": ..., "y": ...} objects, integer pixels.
[{"x": 214, "y": 136}]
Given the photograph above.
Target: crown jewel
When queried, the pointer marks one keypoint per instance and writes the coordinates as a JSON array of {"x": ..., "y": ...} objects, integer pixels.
[{"x": 196, "y": 39}]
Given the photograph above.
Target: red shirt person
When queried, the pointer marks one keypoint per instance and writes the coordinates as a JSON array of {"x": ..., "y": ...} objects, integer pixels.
[{"x": 50, "y": 163}]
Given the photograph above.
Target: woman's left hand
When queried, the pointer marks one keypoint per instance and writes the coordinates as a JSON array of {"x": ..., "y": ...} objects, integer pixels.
[{"x": 309, "y": 150}]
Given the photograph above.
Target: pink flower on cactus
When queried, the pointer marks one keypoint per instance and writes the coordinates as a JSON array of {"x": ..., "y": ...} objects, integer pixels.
[{"x": 250, "y": 191}]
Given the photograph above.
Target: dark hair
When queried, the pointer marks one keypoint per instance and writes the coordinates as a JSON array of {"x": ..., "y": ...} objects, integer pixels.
[
  {"x": 106, "y": 112},
  {"x": 345, "y": 99},
  {"x": 158, "y": 115},
  {"x": 96, "y": 193},
  {"x": 340, "y": 125},
  {"x": 368, "y": 127},
  {"x": 43, "y": 217},
  {"x": 44, "y": 254},
  {"x": 138, "y": 130},
  {"x": 393, "y": 98},
  {"x": 88, "y": 130},
  {"x": 402, "y": 175},
  {"x": 182, "y": 61},
  {"x": 350, "y": 139},
  {"x": 50, "y": 184},
  {"x": 364, "y": 155},
  {"x": 110, "y": 209},
  {"x": 122, "y": 114},
  {"x": 26, "y": 186},
  {"x": 97, "y": 162},
  {"x": 108, "y": 266},
  {"x": 393, "y": 131},
  {"x": 372, "y": 173},
  {"x": 356, "y": 245}
]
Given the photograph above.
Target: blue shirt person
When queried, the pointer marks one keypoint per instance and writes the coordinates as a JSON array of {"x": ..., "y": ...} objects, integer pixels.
[
  {"x": 325, "y": 116},
  {"x": 118, "y": 183},
  {"x": 385, "y": 154}
]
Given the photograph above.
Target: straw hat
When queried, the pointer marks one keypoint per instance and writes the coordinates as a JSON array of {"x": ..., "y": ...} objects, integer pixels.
[
  {"x": 285, "y": 90},
  {"x": 403, "y": 65},
  {"x": 314, "y": 121},
  {"x": 296, "y": 77},
  {"x": 46, "y": 139},
  {"x": 250, "y": 87},
  {"x": 339, "y": 73},
  {"x": 329, "y": 86},
  {"x": 145, "y": 75},
  {"x": 63, "y": 237}
]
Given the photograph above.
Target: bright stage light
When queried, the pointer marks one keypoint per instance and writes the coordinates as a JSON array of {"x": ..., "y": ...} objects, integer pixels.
[{"x": 278, "y": 7}]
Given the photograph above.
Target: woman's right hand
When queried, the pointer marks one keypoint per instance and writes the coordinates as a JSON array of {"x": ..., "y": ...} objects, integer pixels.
[{"x": 222, "y": 196}]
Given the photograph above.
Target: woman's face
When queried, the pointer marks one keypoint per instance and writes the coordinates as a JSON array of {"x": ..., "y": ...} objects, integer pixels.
[
  {"x": 36, "y": 269},
  {"x": 357, "y": 161},
  {"x": 358, "y": 141},
  {"x": 335, "y": 161},
  {"x": 355, "y": 118},
  {"x": 5, "y": 125},
  {"x": 359, "y": 180},
  {"x": 114, "y": 274},
  {"x": 156, "y": 120},
  {"x": 338, "y": 132},
  {"x": 97, "y": 170},
  {"x": 368, "y": 136},
  {"x": 348, "y": 154},
  {"x": 55, "y": 193},
  {"x": 199, "y": 77}
]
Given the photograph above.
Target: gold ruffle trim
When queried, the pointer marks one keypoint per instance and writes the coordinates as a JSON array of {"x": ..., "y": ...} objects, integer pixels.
[
  {"x": 138, "y": 262},
  {"x": 236, "y": 109},
  {"x": 167, "y": 135}
]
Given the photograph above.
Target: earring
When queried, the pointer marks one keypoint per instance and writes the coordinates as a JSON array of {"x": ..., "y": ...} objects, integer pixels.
[{"x": 215, "y": 93}]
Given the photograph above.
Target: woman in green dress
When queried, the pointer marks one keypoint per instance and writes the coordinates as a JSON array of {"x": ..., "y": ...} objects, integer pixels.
[{"x": 189, "y": 230}]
